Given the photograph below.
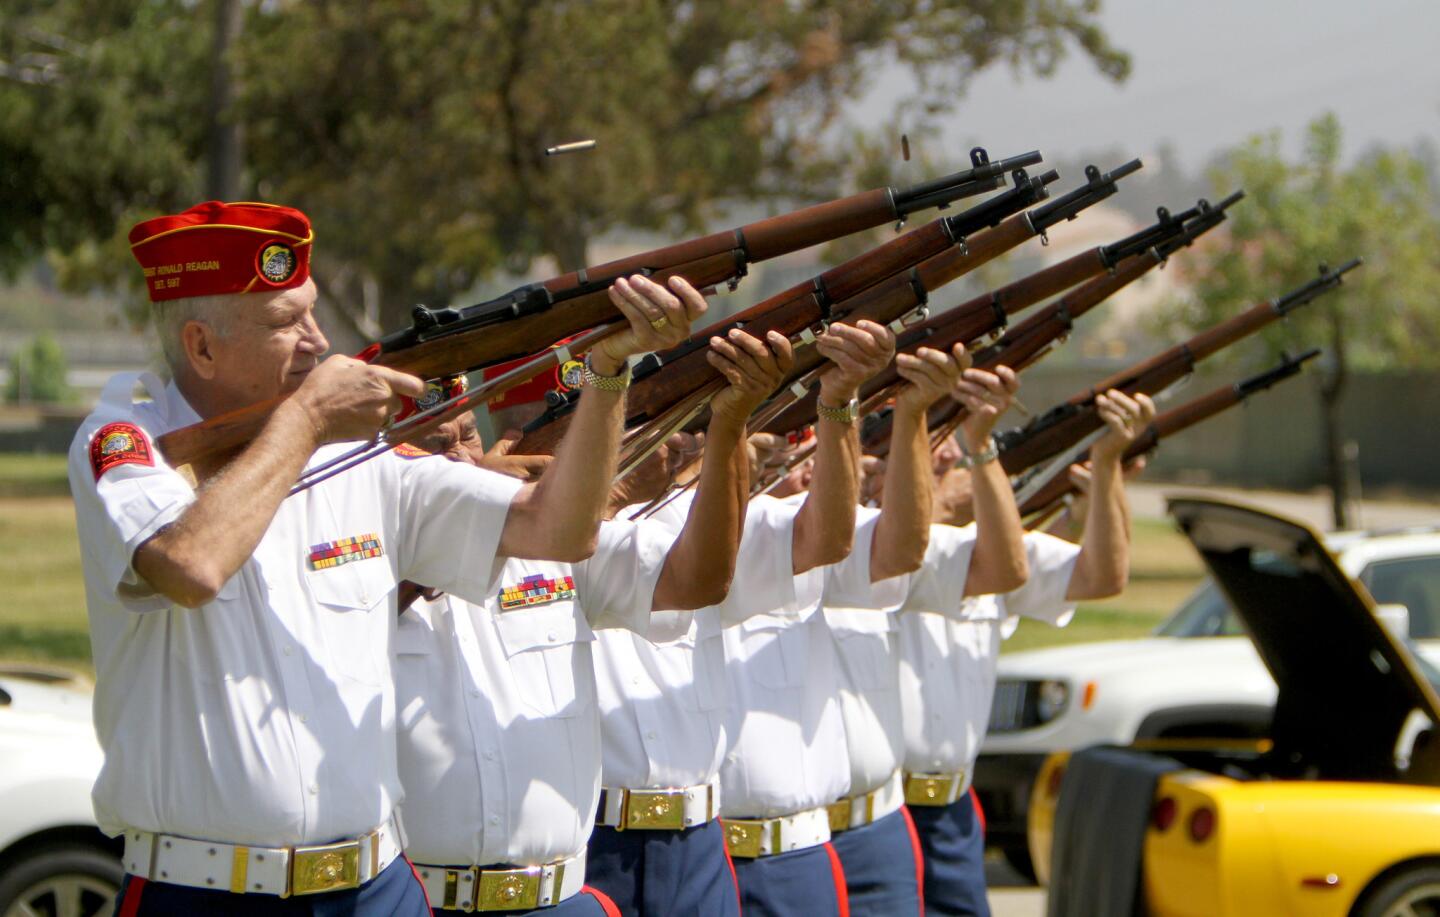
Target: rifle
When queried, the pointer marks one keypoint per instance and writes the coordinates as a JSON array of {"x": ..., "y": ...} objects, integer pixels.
[
  {"x": 796, "y": 309},
  {"x": 445, "y": 342},
  {"x": 1047, "y": 494},
  {"x": 1031, "y": 340},
  {"x": 1068, "y": 423},
  {"x": 984, "y": 314},
  {"x": 903, "y": 295},
  {"x": 884, "y": 302}
]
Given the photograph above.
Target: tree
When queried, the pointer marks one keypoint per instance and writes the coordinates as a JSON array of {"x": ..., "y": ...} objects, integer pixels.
[
  {"x": 413, "y": 131},
  {"x": 37, "y": 373},
  {"x": 1297, "y": 215}
]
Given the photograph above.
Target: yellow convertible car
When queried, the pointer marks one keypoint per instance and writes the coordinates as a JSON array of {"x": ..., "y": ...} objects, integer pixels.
[{"x": 1337, "y": 812}]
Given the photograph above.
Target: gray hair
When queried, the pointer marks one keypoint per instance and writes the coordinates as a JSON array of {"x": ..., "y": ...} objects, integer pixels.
[{"x": 171, "y": 316}]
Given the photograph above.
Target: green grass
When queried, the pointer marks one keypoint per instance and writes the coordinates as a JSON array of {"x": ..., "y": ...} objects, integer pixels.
[
  {"x": 1163, "y": 571},
  {"x": 42, "y": 604},
  {"x": 25, "y": 475}
]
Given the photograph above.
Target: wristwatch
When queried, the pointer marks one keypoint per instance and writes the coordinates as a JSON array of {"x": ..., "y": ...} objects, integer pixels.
[
  {"x": 616, "y": 383},
  {"x": 846, "y": 413},
  {"x": 989, "y": 454}
]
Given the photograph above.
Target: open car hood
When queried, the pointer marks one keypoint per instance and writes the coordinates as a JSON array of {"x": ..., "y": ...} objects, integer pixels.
[{"x": 1346, "y": 685}]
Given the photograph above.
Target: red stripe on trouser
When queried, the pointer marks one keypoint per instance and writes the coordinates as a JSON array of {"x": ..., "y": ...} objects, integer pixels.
[
  {"x": 979, "y": 812},
  {"x": 134, "y": 890},
  {"x": 919, "y": 855},
  {"x": 423, "y": 890},
  {"x": 733, "y": 877},
  {"x": 609, "y": 906},
  {"x": 837, "y": 872}
]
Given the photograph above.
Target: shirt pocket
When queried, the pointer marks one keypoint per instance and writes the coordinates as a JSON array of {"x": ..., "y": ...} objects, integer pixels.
[
  {"x": 351, "y": 599},
  {"x": 774, "y": 649},
  {"x": 549, "y": 653},
  {"x": 695, "y": 662},
  {"x": 864, "y": 642}
]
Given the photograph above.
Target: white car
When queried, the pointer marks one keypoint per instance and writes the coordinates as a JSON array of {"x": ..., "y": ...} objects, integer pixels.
[
  {"x": 54, "y": 862},
  {"x": 1198, "y": 675}
]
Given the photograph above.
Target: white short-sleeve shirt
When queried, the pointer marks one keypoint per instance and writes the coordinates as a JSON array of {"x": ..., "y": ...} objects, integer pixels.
[
  {"x": 266, "y": 716},
  {"x": 788, "y": 750},
  {"x": 663, "y": 696},
  {"x": 950, "y": 645},
  {"x": 868, "y": 647},
  {"x": 499, "y": 738}
]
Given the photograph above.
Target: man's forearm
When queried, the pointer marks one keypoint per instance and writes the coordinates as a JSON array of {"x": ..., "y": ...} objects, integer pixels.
[
  {"x": 701, "y": 563},
  {"x": 1103, "y": 566},
  {"x": 191, "y": 559},
  {"x": 998, "y": 563},
  {"x": 559, "y": 517},
  {"x": 903, "y": 530},
  {"x": 825, "y": 526}
]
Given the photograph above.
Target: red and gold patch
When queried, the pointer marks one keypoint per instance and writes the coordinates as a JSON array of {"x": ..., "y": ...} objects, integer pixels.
[
  {"x": 406, "y": 450},
  {"x": 119, "y": 444},
  {"x": 347, "y": 550}
]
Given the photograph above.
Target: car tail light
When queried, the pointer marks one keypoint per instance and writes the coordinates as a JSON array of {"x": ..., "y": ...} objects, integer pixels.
[
  {"x": 1163, "y": 815},
  {"x": 1202, "y": 824},
  {"x": 1057, "y": 776}
]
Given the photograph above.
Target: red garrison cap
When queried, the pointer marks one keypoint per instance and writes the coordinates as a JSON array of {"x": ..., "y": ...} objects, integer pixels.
[
  {"x": 216, "y": 248},
  {"x": 564, "y": 378}
]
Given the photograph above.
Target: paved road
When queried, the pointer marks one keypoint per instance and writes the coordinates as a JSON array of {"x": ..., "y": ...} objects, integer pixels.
[
  {"x": 1148, "y": 500},
  {"x": 1010, "y": 895}
]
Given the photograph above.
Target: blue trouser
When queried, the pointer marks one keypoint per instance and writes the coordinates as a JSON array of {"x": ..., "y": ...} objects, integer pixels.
[
  {"x": 953, "y": 844},
  {"x": 588, "y": 903},
  {"x": 660, "y": 873},
  {"x": 801, "y": 883},
  {"x": 396, "y": 892},
  {"x": 882, "y": 874}
]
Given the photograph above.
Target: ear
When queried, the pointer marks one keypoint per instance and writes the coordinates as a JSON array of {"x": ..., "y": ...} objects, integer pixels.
[{"x": 198, "y": 339}]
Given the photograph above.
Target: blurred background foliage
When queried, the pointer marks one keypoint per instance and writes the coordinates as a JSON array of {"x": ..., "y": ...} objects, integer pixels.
[{"x": 413, "y": 131}]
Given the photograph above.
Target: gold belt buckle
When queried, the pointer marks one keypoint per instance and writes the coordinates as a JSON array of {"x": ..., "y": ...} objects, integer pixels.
[
  {"x": 839, "y": 815},
  {"x": 743, "y": 838},
  {"x": 928, "y": 789},
  {"x": 654, "y": 810},
  {"x": 508, "y": 889},
  {"x": 324, "y": 869}
]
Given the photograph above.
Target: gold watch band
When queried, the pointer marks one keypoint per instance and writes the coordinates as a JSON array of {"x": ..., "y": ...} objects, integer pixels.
[
  {"x": 616, "y": 383},
  {"x": 846, "y": 413}
]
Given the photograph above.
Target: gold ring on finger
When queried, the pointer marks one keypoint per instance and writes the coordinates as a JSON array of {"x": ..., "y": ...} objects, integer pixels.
[{"x": 658, "y": 323}]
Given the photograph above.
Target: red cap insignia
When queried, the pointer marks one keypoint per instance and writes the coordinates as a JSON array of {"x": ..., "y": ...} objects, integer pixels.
[
  {"x": 119, "y": 444},
  {"x": 216, "y": 248}
]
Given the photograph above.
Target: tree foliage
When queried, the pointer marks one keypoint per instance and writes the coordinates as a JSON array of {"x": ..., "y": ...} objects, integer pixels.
[
  {"x": 412, "y": 131},
  {"x": 37, "y": 373},
  {"x": 1298, "y": 214}
]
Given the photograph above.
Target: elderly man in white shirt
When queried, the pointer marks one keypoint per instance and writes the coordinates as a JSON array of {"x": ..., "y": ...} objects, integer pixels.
[
  {"x": 499, "y": 728},
  {"x": 949, "y": 646},
  {"x": 241, "y": 635},
  {"x": 872, "y": 832}
]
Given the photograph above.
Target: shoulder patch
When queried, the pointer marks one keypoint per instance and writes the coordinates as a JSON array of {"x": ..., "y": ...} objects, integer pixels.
[
  {"x": 406, "y": 450},
  {"x": 119, "y": 444}
]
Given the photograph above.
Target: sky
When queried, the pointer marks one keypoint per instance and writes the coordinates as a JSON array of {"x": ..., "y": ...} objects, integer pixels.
[{"x": 1205, "y": 75}]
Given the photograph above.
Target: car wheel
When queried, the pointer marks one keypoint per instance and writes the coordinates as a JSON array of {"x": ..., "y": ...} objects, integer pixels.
[
  {"x": 1412, "y": 892},
  {"x": 70, "y": 881},
  {"x": 1019, "y": 860}
]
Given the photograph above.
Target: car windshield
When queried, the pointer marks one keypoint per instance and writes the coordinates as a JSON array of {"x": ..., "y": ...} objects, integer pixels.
[
  {"x": 1206, "y": 613},
  {"x": 1410, "y": 581}
]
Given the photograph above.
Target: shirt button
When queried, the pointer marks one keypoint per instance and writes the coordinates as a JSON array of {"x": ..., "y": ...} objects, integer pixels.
[
  {"x": 489, "y": 756},
  {"x": 650, "y": 734},
  {"x": 304, "y": 718},
  {"x": 494, "y": 819},
  {"x": 314, "y": 789},
  {"x": 288, "y": 649},
  {"x": 475, "y": 693},
  {"x": 550, "y": 636}
]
